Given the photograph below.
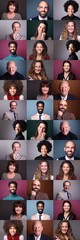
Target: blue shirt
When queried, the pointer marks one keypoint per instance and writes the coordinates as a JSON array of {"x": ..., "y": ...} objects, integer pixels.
[
  {"x": 13, "y": 197},
  {"x": 13, "y": 57}
]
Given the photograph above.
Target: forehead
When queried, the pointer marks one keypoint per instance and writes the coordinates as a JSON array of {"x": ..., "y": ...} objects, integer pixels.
[
  {"x": 70, "y": 144},
  {"x": 43, "y": 3},
  {"x": 63, "y": 102},
  {"x": 16, "y": 25},
  {"x": 40, "y": 105},
  {"x": 12, "y": 185},
  {"x": 42, "y": 25},
  {"x": 65, "y": 84},
  {"x": 11, "y": 64},
  {"x": 70, "y": 6},
  {"x": 12, "y": 44},
  {"x": 65, "y": 165},
  {"x": 36, "y": 183},
  {"x": 37, "y": 224},
  {"x": 16, "y": 145},
  {"x": 64, "y": 224},
  {"x": 65, "y": 124}
]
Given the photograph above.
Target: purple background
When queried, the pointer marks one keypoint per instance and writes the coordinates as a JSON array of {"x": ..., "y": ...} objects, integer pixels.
[
  {"x": 75, "y": 68},
  {"x": 4, "y": 50},
  {"x": 75, "y": 208}
]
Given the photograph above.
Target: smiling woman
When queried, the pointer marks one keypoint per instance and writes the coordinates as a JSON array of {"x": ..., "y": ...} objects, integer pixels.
[
  {"x": 18, "y": 211},
  {"x": 11, "y": 171},
  {"x": 37, "y": 71},
  {"x": 11, "y": 12},
  {"x": 19, "y": 126},
  {"x": 66, "y": 171},
  {"x": 64, "y": 231},
  {"x": 66, "y": 214},
  {"x": 13, "y": 230}
]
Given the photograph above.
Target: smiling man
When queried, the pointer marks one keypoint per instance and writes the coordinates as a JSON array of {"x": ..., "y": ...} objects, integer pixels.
[
  {"x": 65, "y": 133},
  {"x": 13, "y": 189},
  {"x": 43, "y": 9},
  {"x": 40, "y": 215},
  {"x": 11, "y": 73},
  {"x": 13, "y": 52},
  {"x": 63, "y": 113},
  {"x": 69, "y": 149},
  {"x": 37, "y": 229},
  {"x": 36, "y": 193}
]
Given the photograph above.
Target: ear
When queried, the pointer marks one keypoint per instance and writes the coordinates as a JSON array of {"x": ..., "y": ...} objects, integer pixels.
[{"x": 38, "y": 9}]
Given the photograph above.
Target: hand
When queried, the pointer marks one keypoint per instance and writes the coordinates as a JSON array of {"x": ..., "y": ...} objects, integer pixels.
[
  {"x": 60, "y": 113},
  {"x": 33, "y": 193}
]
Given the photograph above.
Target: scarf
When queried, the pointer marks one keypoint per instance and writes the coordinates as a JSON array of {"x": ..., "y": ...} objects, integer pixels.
[
  {"x": 16, "y": 237},
  {"x": 9, "y": 97}
]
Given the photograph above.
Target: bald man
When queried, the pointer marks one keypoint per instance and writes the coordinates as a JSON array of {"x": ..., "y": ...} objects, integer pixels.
[
  {"x": 43, "y": 9},
  {"x": 37, "y": 229},
  {"x": 63, "y": 113},
  {"x": 69, "y": 149},
  {"x": 65, "y": 133},
  {"x": 64, "y": 94},
  {"x": 11, "y": 73}
]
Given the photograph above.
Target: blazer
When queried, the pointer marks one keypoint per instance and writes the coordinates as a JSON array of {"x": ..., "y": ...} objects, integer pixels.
[
  {"x": 45, "y": 217},
  {"x": 70, "y": 97},
  {"x": 44, "y": 117},
  {"x": 71, "y": 216},
  {"x": 9, "y": 116},
  {"x": 43, "y": 237},
  {"x": 71, "y": 76},
  {"x": 63, "y": 195},
  {"x": 63, "y": 158},
  {"x": 18, "y": 157}
]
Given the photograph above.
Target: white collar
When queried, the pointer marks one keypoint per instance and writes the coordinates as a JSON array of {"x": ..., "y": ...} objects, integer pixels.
[{"x": 40, "y": 18}]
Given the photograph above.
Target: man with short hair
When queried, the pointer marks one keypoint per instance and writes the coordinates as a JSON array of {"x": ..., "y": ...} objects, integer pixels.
[
  {"x": 11, "y": 114},
  {"x": 40, "y": 115},
  {"x": 37, "y": 234},
  {"x": 43, "y": 9},
  {"x": 12, "y": 189},
  {"x": 64, "y": 94},
  {"x": 11, "y": 73},
  {"x": 64, "y": 194},
  {"x": 36, "y": 193},
  {"x": 15, "y": 35},
  {"x": 62, "y": 111},
  {"x": 40, "y": 215},
  {"x": 15, "y": 155},
  {"x": 69, "y": 149},
  {"x": 13, "y": 52},
  {"x": 65, "y": 133}
]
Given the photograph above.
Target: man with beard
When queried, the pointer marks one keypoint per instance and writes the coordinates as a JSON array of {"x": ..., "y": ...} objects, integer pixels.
[
  {"x": 62, "y": 112},
  {"x": 37, "y": 234},
  {"x": 40, "y": 215},
  {"x": 36, "y": 194},
  {"x": 12, "y": 73},
  {"x": 65, "y": 133},
  {"x": 12, "y": 189},
  {"x": 43, "y": 9},
  {"x": 69, "y": 149},
  {"x": 40, "y": 115},
  {"x": 64, "y": 194},
  {"x": 13, "y": 49}
]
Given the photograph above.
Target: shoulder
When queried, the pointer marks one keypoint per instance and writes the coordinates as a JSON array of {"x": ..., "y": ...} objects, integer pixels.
[
  {"x": 4, "y": 15},
  {"x": 35, "y": 18},
  {"x": 45, "y": 237},
  {"x": 62, "y": 158},
  {"x": 60, "y": 38},
  {"x": 5, "y": 237},
  {"x": 73, "y": 136},
  {"x": 64, "y": 18},
  {"x": 71, "y": 97},
  {"x": 78, "y": 37},
  {"x": 60, "y": 76},
  {"x": 18, "y": 16},
  {"x": 21, "y": 97},
  {"x": 58, "y": 177},
  {"x": 21, "y": 237},
  {"x": 31, "y": 57},
  {"x": 57, "y": 96},
  {"x": 46, "y": 116},
  {"x": 5, "y": 97},
  {"x": 32, "y": 38}
]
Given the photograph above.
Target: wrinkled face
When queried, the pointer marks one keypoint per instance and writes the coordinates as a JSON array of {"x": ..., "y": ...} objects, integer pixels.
[
  {"x": 65, "y": 168},
  {"x": 16, "y": 28},
  {"x": 42, "y": 128},
  {"x": 69, "y": 149},
  {"x": 66, "y": 67},
  {"x": 40, "y": 208},
  {"x": 37, "y": 228},
  {"x": 12, "y": 8},
  {"x": 36, "y": 185},
  {"x": 62, "y": 106},
  {"x": 11, "y": 68},
  {"x": 40, "y": 108},
  {"x": 43, "y": 9},
  {"x": 71, "y": 48},
  {"x": 12, "y": 168},
  {"x": 65, "y": 128},
  {"x": 66, "y": 207},
  {"x": 13, "y": 106},
  {"x": 12, "y": 48},
  {"x": 12, "y": 188},
  {"x": 41, "y": 28},
  {"x": 16, "y": 148},
  {"x": 39, "y": 48},
  {"x": 45, "y": 90},
  {"x": 37, "y": 67},
  {"x": 18, "y": 209},
  {"x": 43, "y": 167},
  {"x": 44, "y": 150},
  {"x": 70, "y": 10},
  {"x": 66, "y": 186},
  {"x": 12, "y": 91},
  {"x": 12, "y": 230},
  {"x": 70, "y": 27},
  {"x": 18, "y": 128},
  {"x": 64, "y": 89},
  {"x": 64, "y": 227}
]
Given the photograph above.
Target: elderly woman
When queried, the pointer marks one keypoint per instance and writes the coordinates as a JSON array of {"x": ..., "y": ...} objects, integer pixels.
[
  {"x": 18, "y": 211},
  {"x": 45, "y": 90},
  {"x": 70, "y": 7},
  {"x": 11, "y": 171},
  {"x": 44, "y": 147},
  {"x": 11, "y": 12},
  {"x": 13, "y": 230},
  {"x": 19, "y": 126}
]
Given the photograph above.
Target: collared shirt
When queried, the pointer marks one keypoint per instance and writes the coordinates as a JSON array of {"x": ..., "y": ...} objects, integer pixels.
[
  {"x": 37, "y": 238},
  {"x": 64, "y": 98},
  {"x": 40, "y": 18},
  {"x": 67, "y": 158}
]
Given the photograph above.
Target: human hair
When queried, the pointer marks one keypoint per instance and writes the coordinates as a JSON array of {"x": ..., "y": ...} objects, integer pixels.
[
  {"x": 45, "y": 2},
  {"x": 12, "y": 162},
  {"x": 13, "y": 42},
  {"x": 46, "y": 25},
  {"x": 38, "y": 172},
  {"x": 17, "y": 224},
  {"x": 46, "y": 143},
  {"x": 44, "y": 52},
  {"x": 65, "y": 33},
  {"x": 12, "y": 102},
  {"x": 33, "y": 224},
  {"x": 46, "y": 128},
  {"x": 14, "y": 23},
  {"x": 66, "y": 182},
  {"x": 66, "y": 201},
  {"x": 22, "y": 124},
  {"x": 71, "y": 170},
  {"x": 20, "y": 204},
  {"x": 75, "y": 44},
  {"x": 9, "y": 63},
  {"x": 72, "y": 3},
  {"x": 66, "y": 61},
  {"x": 63, "y": 81},
  {"x": 13, "y": 182},
  {"x": 61, "y": 123},
  {"x": 40, "y": 202},
  {"x": 47, "y": 84},
  {"x": 42, "y": 73},
  {"x": 12, "y": 2},
  {"x": 15, "y": 143},
  {"x": 69, "y": 233},
  {"x": 40, "y": 102},
  {"x": 16, "y": 83}
]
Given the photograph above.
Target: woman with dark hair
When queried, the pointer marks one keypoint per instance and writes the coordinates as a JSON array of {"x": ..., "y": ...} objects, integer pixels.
[
  {"x": 70, "y": 7},
  {"x": 41, "y": 131},
  {"x": 19, "y": 126},
  {"x": 45, "y": 91},
  {"x": 37, "y": 71},
  {"x": 12, "y": 11},
  {"x": 13, "y": 90},
  {"x": 70, "y": 31},
  {"x": 13, "y": 230},
  {"x": 66, "y": 74},
  {"x": 64, "y": 231},
  {"x": 18, "y": 211},
  {"x": 66, "y": 171},
  {"x": 66, "y": 214},
  {"x": 39, "y": 51},
  {"x": 43, "y": 171},
  {"x": 44, "y": 147},
  {"x": 73, "y": 46},
  {"x": 41, "y": 31},
  {"x": 11, "y": 171}
]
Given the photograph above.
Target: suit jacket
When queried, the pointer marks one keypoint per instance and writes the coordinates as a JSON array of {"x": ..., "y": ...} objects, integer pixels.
[
  {"x": 37, "y": 18},
  {"x": 44, "y": 117},
  {"x": 71, "y": 216},
  {"x": 45, "y": 217},
  {"x": 19, "y": 157},
  {"x": 70, "y": 97},
  {"x": 63, "y": 196},
  {"x": 66, "y": 116},
  {"x": 63, "y": 158},
  {"x": 9, "y": 116},
  {"x": 69, "y": 136},
  {"x": 43, "y": 237},
  {"x": 71, "y": 76}
]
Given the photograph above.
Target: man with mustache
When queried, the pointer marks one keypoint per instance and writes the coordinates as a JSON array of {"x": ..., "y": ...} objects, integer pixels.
[
  {"x": 69, "y": 149},
  {"x": 36, "y": 193},
  {"x": 63, "y": 113},
  {"x": 40, "y": 115},
  {"x": 12, "y": 45},
  {"x": 40, "y": 215}
]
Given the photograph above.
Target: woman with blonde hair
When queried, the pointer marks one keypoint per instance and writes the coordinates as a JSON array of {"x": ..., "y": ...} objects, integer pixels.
[
  {"x": 43, "y": 171},
  {"x": 69, "y": 31},
  {"x": 64, "y": 231},
  {"x": 37, "y": 71}
]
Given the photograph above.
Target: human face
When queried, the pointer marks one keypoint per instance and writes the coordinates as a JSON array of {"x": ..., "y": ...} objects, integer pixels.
[
  {"x": 12, "y": 188},
  {"x": 18, "y": 210},
  {"x": 12, "y": 91},
  {"x": 12, "y": 168},
  {"x": 64, "y": 227},
  {"x": 36, "y": 186},
  {"x": 40, "y": 208},
  {"x": 39, "y": 48},
  {"x": 18, "y": 128},
  {"x": 12, "y": 48},
  {"x": 40, "y": 108},
  {"x": 44, "y": 150},
  {"x": 62, "y": 106},
  {"x": 12, "y": 230},
  {"x": 65, "y": 168},
  {"x": 43, "y": 167},
  {"x": 37, "y": 229},
  {"x": 66, "y": 67},
  {"x": 41, "y": 128},
  {"x": 11, "y": 68},
  {"x": 69, "y": 149},
  {"x": 66, "y": 186},
  {"x": 16, "y": 28},
  {"x": 71, "y": 48},
  {"x": 37, "y": 67},
  {"x": 65, "y": 128},
  {"x": 43, "y": 9},
  {"x": 70, "y": 27},
  {"x": 41, "y": 28},
  {"x": 13, "y": 106},
  {"x": 12, "y": 8},
  {"x": 66, "y": 207},
  {"x": 45, "y": 90},
  {"x": 70, "y": 10},
  {"x": 16, "y": 148},
  {"x": 64, "y": 89}
]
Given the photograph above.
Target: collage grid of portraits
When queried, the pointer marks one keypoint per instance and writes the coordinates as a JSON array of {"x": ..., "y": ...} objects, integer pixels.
[{"x": 39, "y": 120}]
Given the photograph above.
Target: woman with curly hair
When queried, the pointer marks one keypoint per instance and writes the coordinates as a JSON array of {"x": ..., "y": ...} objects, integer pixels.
[
  {"x": 69, "y": 31},
  {"x": 66, "y": 171},
  {"x": 45, "y": 91},
  {"x": 73, "y": 46},
  {"x": 43, "y": 171},
  {"x": 11, "y": 171},
  {"x": 64, "y": 231},
  {"x": 41, "y": 31},
  {"x": 19, "y": 126},
  {"x": 11, "y": 11},
  {"x": 66, "y": 74},
  {"x": 66, "y": 214},
  {"x": 70, "y": 7},
  {"x": 18, "y": 211},
  {"x": 13, "y": 90},
  {"x": 44, "y": 147},
  {"x": 37, "y": 71},
  {"x": 39, "y": 51},
  {"x": 13, "y": 230},
  {"x": 41, "y": 131}
]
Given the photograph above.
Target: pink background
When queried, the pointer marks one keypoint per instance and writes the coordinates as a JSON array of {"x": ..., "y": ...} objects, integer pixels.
[
  {"x": 75, "y": 68},
  {"x": 4, "y": 50},
  {"x": 75, "y": 208}
]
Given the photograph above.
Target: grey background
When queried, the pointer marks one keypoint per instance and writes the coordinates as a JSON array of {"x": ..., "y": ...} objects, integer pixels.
[
  {"x": 58, "y": 144},
  {"x": 75, "y": 225},
  {"x": 60, "y": 50},
  {"x": 2, "y": 233},
  {"x": 74, "y": 188},
  {"x": 48, "y": 65},
  {"x": 76, "y": 165},
  {"x": 32, "y": 8},
  {"x": 59, "y": 25},
  {"x": 31, "y": 43},
  {"x": 31, "y": 168},
  {"x": 34, "y": 85},
  {"x": 74, "y": 124},
  {"x": 31, "y": 208},
  {"x": 7, "y": 29},
  {"x": 20, "y": 110},
  {"x": 21, "y": 67},
  {"x": 7, "y": 209},
  {"x": 21, "y": 5},
  {"x": 31, "y": 108}
]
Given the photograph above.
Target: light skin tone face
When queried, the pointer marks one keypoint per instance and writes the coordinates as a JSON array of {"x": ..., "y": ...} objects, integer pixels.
[
  {"x": 18, "y": 210},
  {"x": 65, "y": 168},
  {"x": 40, "y": 208},
  {"x": 65, "y": 128},
  {"x": 41, "y": 128},
  {"x": 43, "y": 9},
  {"x": 38, "y": 228},
  {"x": 71, "y": 48},
  {"x": 62, "y": 106},
  {"x": 43, "y": 168},
  {"x": 39, "y": 48},
  {"x": 66, "y": 207},
  {"x": 11, "y": 68},
  {"x": 70, "y": 10},
  {"x": 12, "y": 8},
  {"x": 70, "y": 149},
  {"x": 70, "y": 27},
  {"x": 64, "y": 227},
  {"x": 45, "y": 90},
  {"x": 16, "y": 27},
  {"x": 12, "y": 48},
  {"x": 44, "y": 150},
  {"x": 12, "y": 188},
  {"x": 37, "y": 68},
  {"x": 67, "y": 186},
  {"x": 12, "y": 168},
  {"x": 12, "y": 91},
  {"x": 36, "y": 186},
  {"x": 18, "y": 128},
  {"x": 40, "y": 108},
  {"x": 66, "y": 67},
  {"x": 64, "y": 89},
  {"x": 41, "y": 28},
  {"x": 13, "y": 106},
  {"x": 16, "y": 148},
  {"x": 12, "y": 231}
]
